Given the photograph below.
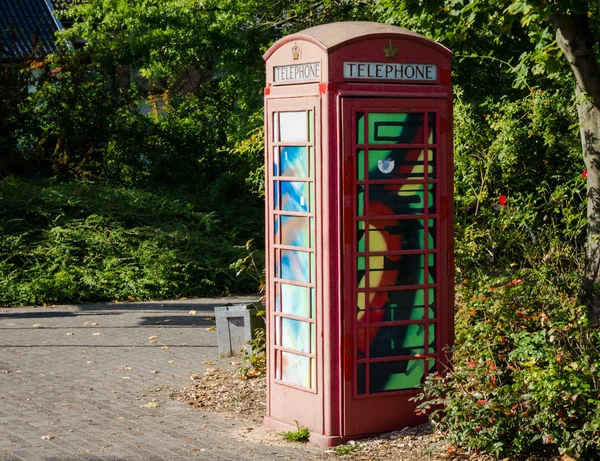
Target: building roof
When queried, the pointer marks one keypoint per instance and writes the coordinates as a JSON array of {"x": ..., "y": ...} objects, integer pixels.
[{"x": 27, "y": 27}]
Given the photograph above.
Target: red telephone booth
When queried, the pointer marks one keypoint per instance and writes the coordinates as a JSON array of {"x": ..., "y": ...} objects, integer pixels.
[{"x": 359, "y": 226}]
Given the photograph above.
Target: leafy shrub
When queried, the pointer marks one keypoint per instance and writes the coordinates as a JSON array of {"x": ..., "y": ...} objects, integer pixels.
[{"x": 302, "y": 435}]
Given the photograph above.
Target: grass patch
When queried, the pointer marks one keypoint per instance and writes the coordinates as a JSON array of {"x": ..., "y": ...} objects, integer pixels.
[
  {"x": 301, "y": 435},
  {"x": 80, "y": 242}
]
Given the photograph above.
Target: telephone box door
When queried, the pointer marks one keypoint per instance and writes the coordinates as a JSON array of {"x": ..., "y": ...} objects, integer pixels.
[{"x": 396, "y": 282}]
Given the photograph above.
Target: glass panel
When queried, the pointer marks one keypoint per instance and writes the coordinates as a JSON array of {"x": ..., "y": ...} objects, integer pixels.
[
  {"x": 361, "y": 348},
  {"x": 432, "y": 234},
  {"x": 395, "y": 376},
  {"x": 277, "y": 330},
  {"x": 294, "y": 265},
  {"x": 311, "y": 162},
  {"x": 397, "y": 199},
  {"x": 312, "y": 232},
  {"x": 431, "y": 162},
  {"x": 312, "y": 268},
  {"x": 275, "y": 127},
  {"x": 396, "y": 340},
  {"x": 275, "y": 161},
  {"x": 277, "y": 298},
  {"x": 361, "y": 379},
  {"x": 431, "y": 339},
  {"x": 360, "y": 200},
  {"x": 398, "y": 270},
  {"x": 277, "y": 271},
  {"x": 313, "y": 374},
  {"x": 295, "y": 300},
  {"x": 313, "y": 338},
  {"x": 275, "y": 195},
  {"x": 399, "y": 128},
  {"x": 295, "y": 335},
  {"x": 313, "y": 303},
  {"x": 407, "y": 234},
  {"x": 294, "y": 161},
  {"x": 393, "y": 306},
  {"x": 431, "y": 268},
  {"x": 294, "y": 196},
  {"x": 311, "y": 197},
  {"x": 432, "y": 304},
  {"x": 360, "y": 271},
  {"x": 295, "y": 369},
  {"x": 293, "y": 126},
  {"x": 311, "y": 120},
  {"x": 360, "y": 128},
  {"x": 294, "y": 231},
  {"x": 398, "y": 164},
  {"x": 360, "y": 236},
  {"x": 360, "y": 165},
  {"x": 432, "y": 138},
  {"x": 276, "y": 235}
]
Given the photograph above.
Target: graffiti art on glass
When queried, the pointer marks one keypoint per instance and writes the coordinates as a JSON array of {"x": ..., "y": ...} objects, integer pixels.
[
  {"x": 396, "y": 237},
  {"x": 294, "y": 226}
]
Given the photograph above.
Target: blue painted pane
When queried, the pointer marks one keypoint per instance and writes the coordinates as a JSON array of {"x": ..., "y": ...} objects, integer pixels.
[
  {"x": 295, "y": 300},
  {"x": 294, "y": 161},
  {"x": 295, "y": 335},
  {"x": 294, "y": 231},
  {"x": 294, "y": 266},
  {"x": 294, "y": 196}
]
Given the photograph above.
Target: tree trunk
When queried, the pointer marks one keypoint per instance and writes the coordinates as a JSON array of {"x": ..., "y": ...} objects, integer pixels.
[{"x": 575, "y": 39}]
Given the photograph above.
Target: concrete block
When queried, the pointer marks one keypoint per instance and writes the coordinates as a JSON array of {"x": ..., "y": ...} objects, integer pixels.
[{"x": 235, "y": 327}]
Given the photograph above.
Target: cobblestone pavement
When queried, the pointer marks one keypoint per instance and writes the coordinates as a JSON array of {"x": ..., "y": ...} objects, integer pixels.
[{"x": 91, "y": 382}]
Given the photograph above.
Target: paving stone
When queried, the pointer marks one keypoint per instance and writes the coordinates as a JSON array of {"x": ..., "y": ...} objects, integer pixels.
[{"x": 83, "y": 375}]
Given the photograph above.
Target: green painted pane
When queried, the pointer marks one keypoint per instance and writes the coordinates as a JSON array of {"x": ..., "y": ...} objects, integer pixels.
[
  {"x": 432, "y": 338},
  {"x": 399, "y": 199},
  {"x": 432, "y": 269},
  {"x": 360, "y": 236},
  {"x": 396, "y": 128},
  {"x": 360, "y": 128},
  {"x": 432, "y": 234},
  {"x": 360, "y": 165},
  {"x": 432, "y": 304},
  {"x": 398, "y": 305},
  {"x": 396, "y": 376},
  {"x": 311, "y": 121},
  {"x": 394, "y": 341}
]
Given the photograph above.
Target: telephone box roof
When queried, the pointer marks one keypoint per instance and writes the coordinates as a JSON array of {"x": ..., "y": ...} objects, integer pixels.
[{"x": 330, "y": 37}]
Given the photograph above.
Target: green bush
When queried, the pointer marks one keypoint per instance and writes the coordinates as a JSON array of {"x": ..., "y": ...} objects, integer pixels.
[{"x": 79, "y": 242}]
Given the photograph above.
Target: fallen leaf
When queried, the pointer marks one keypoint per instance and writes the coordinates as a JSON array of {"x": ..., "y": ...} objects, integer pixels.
[
  {"x": 47, "y": 437},
  {"x": 125, "y": 367},
  {"x": 37, "y": 325},
  {"x": 95, "y": 323},
  {"x": 210, "y": 371},
  {"x": 171, "y": 361},
  {"x": 96, "y": 334},
  {"x": 167, "y": 320},
  {"x": 165, "y": 347},
  {"x": 4, "y": 372},
  {"x": 211, "y": 328},
  {"x": 209, "y": 318},
  {"x": 91, "y": 362},
  {"x": 208, "y": 362},
  {"x": 192, "y": 312},
  {"x": 85, "y": 324},
  {"x": 194, "y": 377},
  {"x": 151, "y": 405},
  {"x": 155, "y": 371},
  {"x": 152, "y": 338},
  {"x": 68, "y": 334}
]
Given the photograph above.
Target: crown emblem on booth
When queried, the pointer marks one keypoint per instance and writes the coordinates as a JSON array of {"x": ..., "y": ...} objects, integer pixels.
[
  {"x": 295, "y": 52},
  {"x": 390, "y": 50}
]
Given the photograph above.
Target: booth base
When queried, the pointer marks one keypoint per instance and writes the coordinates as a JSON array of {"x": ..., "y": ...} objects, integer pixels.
[{"x": 315, "y": 438}]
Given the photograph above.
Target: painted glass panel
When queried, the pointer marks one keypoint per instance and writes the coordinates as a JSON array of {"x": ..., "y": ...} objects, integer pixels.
[
  {"x": 398, "y": 305},
  {"x": 275, "y": 127},
  {"x": 360, "y": 236},
  {"x": 431, "y": 338},
  {"x": 294, "y": 231},
  {"x": 360, "y": 128},
  {"x": 396, "y": 340},
  {"x": 311, "y": 196},
  {"x": 432, "y": 138},
  {"x": 313, "y": 338},
  {"x": 276, "y": 195},
  {"x": 431, "y": 163},
  {"x": 312, "y": 233},
  {"x": 311, "y": 162},
  {"x": 360, "y": 306},
  {"x": 360, "y": 200},
  {"x": 431, "y": 269},
  {"x": 276, "y": 236},
  {"x": 294, "y": 196},
  {"x": 295, "y": 335},
  {"x": 275, "y": 161},
  {"x": 294, "y": 265},
  {"x": 399, "y": 270},
  {"x": 277, "y": 265},
  {"x": 277, "y": 298},
  {"x": 395, "y": 199},
  {"x": 398, "y": 128},
  {"x": 360, "y": 271},
  {"x": 432, "y": 234},
  {"x": 361, "y": 343},
  {"x": 311, "y": 119},
  {"x": 396, "y": 376},
  {"x": 393, "y": 235},
  {"x": 360, "y": 165},
  {"x": 312, "y": 268},
  {"x": 313, "y": 374},
  {"x": 361, "y": 378},
  {"x": 398, "y": 164},
  {"x": 295, "y": 369},
  {"x": 293, "y": 126},
  {"x": 295, "y": 300},
  {"x": 294, "y": 161}
]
